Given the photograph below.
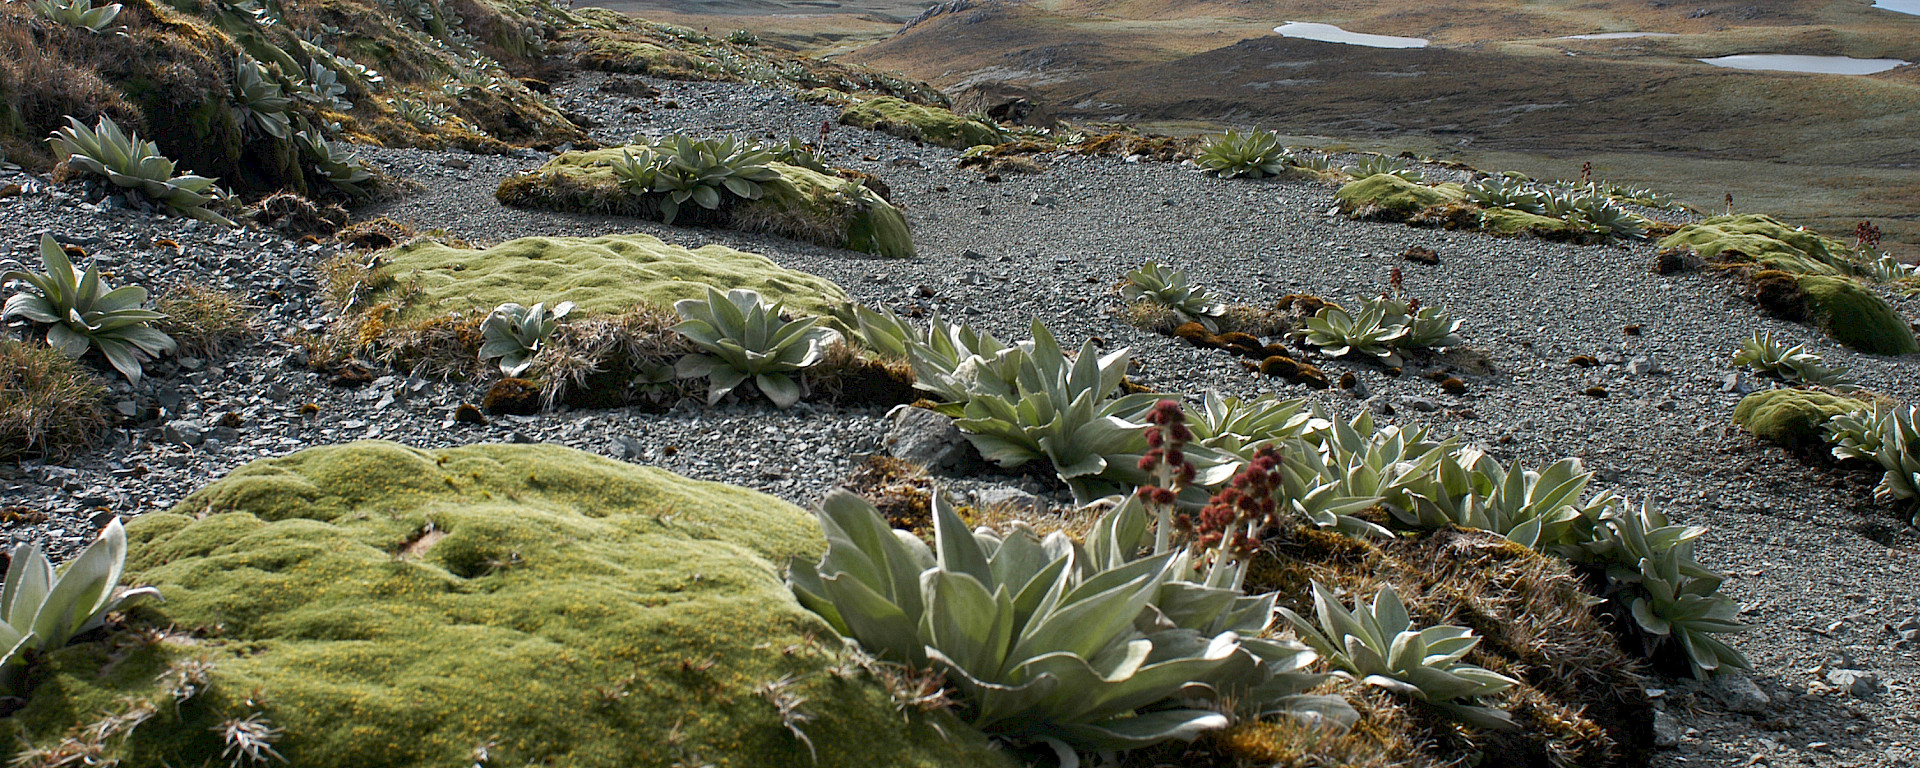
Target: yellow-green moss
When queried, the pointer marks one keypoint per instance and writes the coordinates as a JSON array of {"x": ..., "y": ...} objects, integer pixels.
[
  {"x": 565, "y": 609},
  {"x": 933, "y": 125},
  {"x": 1791, "y": 417},
  {"x": 801, "y": 204},
  {"x": 601, "y": 275},
  {"x": 1507, "y": 221},
  {"x": 1396, "y": 195},
  {"x": 1856, "y": 316},
  {"x": 1765, "y": 240}
]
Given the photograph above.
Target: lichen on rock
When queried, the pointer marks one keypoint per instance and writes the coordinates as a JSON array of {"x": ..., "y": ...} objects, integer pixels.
[{"x": 384, "y": 606}]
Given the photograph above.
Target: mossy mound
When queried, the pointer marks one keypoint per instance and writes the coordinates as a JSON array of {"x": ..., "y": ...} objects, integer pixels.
[
  {"x": 801, "y": 204},
  {"x": 1763, "y": 240},
  {"x": 506, "y": 605},
  {"x": 1791, "y": 417},
  {"x": 1507, "y": 221},
  {"x": 610, "y": 41},
  {"x": 1384, "y": 193},
  {"x": 167, "y": 71},
  {"x": 601, "y": 276},
  {"x": 1856, "y": 316},
  {"x": 933, "y": 125}
]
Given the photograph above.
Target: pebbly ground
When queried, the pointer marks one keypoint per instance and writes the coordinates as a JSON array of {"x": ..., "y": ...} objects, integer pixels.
[{"x": 1827, "y": 578}]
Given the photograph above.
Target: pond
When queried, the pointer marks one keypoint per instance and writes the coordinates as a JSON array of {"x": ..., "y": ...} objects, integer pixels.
[
  {"x": 1826, "y": 65},
  {"x": 1328, "y": 33},
  {"x": 1899, "y": 6},
  {"x": 1618, "y": 35}
]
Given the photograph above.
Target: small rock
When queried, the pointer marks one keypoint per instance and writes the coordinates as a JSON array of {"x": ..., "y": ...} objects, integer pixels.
[
  {"x": 456, "y": 163},
  {"x": 1421, "y": 404},
  {"x": 1736, "y": 383},
  {"x": 626, "y": 448},
  {"x": 1640, "y": 366},
  {"x": 184, "y": 432},
  {"x": 1010, "y": 497},
  {"x": 922, "y": 436},
  {"x": 1666, "y": 730},
  {"x": 1046, "y": 200},
  {"x": 1739, "y": 693},
  {"x": 1855, "y": 682}
]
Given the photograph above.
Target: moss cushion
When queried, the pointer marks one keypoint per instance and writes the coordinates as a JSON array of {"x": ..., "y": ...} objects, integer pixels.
[
  {"x": 1856, "y": 316},
  {"x": 1791, "y": 417},
  {"x": 933, "y": 125},
  {"x": 1507, "y": 221},
  {"x": 492, "y": 604},
  {"x": 1766, "y": 240},
  {"x": 601, "y": 275},
  {"x": 802, "y": 204},
  {"x": 1392, "y": 193}
]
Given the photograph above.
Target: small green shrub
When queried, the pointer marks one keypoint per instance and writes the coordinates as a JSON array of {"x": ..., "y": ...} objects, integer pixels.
[
  {"x": 514, "y": 333},
  {"x": 746, "y": 339},
  {"x": 1253, "y": 155},
  {"x": 134, "y": 164},
  {"x": 1167, "y": 287},
  {"x": 1889, "y": 436},
  {"x": 81, "y": 311},
  {"x": 1793, "y": 364},
  {"x": 1369, "y": 166}
]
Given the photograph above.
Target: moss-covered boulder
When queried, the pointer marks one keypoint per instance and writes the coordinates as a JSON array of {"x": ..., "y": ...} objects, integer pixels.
[
  {"x": 600, "y": 275},
  {"x": 801, "y": 204},
  {"x": 1507, "y": 221},
  {"x": 1390, "y": 194},
  {"x": 1856, "y": 316},
  {"x": 1763, "y": 240},
  {"x": 1791, "y": 417},
  {"x": 497, "y": 605},
  {"x": 933, "y": 125}
]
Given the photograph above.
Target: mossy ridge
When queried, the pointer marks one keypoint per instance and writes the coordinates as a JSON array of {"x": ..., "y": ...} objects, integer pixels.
[
  {"x": 578, "y": 611},
  {"x": 1792, "y": 417},
  {"x": 801, "y": 204},
  {"x": 1854, "y": 315},
  {"x": 931, "y": 124},
  {"x": 601, "y": 276},
  {"x": 1763, "y": 240},
  {"x": 1507, "y": 221},
  {"x": 613, "y": 42},
  {"x": 1395, "y": 196}
]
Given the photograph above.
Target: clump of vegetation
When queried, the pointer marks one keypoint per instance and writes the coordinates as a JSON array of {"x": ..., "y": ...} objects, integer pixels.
[
  {"x": 514, "y": 333},
  {"x": 77, "y": 13},
  {"x": 745, "y": 338},
  {"x": 50, "y": 405},
  {"x": 42, "y": 610},
  {"x": 1167, "y": 288},
  {"x": 730, "y": 183},
  {"x": 1369, "y": 166},
  {"x": 931, "y": 124},
  {"x": 81, "y": 311},
  {"x": 202, "y": 320},
  {"x": 1384, "y": 327},
  {"x": 1886, "y": 435},
  {"x": 137, "y": 165},
  {"x": 1234, "y": 154},
  {"x": 1792, "y": 417},
  {"x": 613, "y": 42},
  {"x": 1792, "y": 364}
]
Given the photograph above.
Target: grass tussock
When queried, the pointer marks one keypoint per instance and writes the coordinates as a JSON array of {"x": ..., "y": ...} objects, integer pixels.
[
  {"x": 51, "y": 406},
  {"x": 203, "y": 320}
]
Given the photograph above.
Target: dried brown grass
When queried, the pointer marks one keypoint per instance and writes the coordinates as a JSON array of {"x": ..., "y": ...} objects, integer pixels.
[
  {"x": 203, "y": 320},
  {"x": 51, "y": 406}
]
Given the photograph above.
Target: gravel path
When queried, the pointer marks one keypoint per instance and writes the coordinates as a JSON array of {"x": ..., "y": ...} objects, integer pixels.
[{"x": 1828, "y": 579}]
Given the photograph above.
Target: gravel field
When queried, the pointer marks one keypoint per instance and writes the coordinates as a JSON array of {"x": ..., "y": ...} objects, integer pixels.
[{"x": 1830, "y": 580}]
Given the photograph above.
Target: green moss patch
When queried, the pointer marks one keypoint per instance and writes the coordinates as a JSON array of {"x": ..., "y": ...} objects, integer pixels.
[
  {"x": 1791, "y": 417},
  {"x": 1763, "y": 240},
  {"x": 933, "y": 125},
  {"x": 1856, "y": 316},
  {"x": 1389, "y": 194},
  {"x": 801, "y": 204},
  {"x": 384, "y": 606},
  {"x": 601, "y": 275},
  {"x": 1507, "y": 221}
]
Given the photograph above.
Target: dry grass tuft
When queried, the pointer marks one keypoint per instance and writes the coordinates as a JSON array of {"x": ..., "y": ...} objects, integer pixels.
[
  {"x": 51, "y": 406},
  {"x": 375, "y": 234},
  {"x": 203, "y": 320}
]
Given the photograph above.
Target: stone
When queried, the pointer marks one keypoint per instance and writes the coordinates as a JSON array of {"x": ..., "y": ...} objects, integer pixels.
[
  {"x": 184, "y": 432},
  {"x": 1640, "y": 366},
  {"x": 1666, "y": 730},
  {"x": 926, "y": 438},
  {"x": 1739, "y": 693},
  {"x": 1857, "y": 683},
  {"x": 1001, "y": 496}
]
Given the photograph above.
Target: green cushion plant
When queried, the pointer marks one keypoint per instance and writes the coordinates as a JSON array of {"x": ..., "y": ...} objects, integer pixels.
[{"x": 80, "y": 311}]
